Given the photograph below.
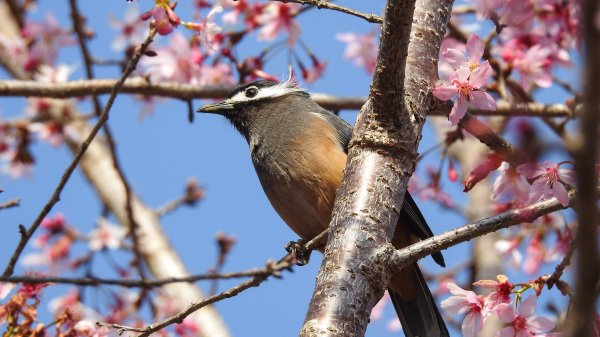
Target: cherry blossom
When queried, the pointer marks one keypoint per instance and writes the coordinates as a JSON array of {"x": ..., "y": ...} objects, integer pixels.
[
  {"x": 208, "y": 30},
  {"x": 534, "y": 67},
  {"x": 467, "y": 85},
  {"x": 549, "y": 180},
  {"x": 179, "y": 62},
  {"x": 501, "y": 290},
  {"x": 524, "y": 323},
  {"x": 361, "y": 48},
  {"x": 457, "y": 59},
  {"x": 5, "y": 289},
  {"x": 165, "y": 20},
  {"x": 132, "y": 30},
  {"x": 276, "y": 17},
  {"x": 47, "y": 36},
  {"x": 469, "y": 303},
  {"x": 106, "y": 236},
  {"x": 90, "y": 329},
  {"x": 510, "y": 185}
]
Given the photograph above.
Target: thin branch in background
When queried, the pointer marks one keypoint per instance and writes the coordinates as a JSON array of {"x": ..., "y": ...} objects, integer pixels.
[
  {"x": 80, "y": 30},
  {"x": 559, "y": 269},
  {"x": 372, "y": 18},
  {"x": 225, "y": 244},
  {"x": 84, "y": 146},
  {"x": 11, "y": 203},
  {"x": 193, "y": 194},
  {"x": 491, "y": 139},
  {"x": 139, "y": 283},
  {"x": 272, "y": 268}
]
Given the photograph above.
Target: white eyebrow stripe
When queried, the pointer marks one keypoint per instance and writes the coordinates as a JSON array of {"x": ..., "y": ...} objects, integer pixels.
[{"x": 267, "y": 92}]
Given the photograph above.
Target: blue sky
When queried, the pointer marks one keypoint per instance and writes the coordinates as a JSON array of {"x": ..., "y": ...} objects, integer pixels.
[{"x": 162, "y": 151}]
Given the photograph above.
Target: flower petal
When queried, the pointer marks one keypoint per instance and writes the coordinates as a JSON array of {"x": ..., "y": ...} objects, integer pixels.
[
  {"x": 455, "y": 57},
  {"x": 561, "y": 194},
  {"x": 539, "y": 324},
  {"x": 445, "y": 92},
  {"x": 505, "y": 312},
  {"x": 483, "y": 100},
  {"x": 474, "y": 48},
  {"x": 506, "y": 332},
  {"x": 472, "y": 325},
  {"x": 527, "y": 307},
  {"x": 458, "y": 111},
  {"x": 481, "y": 75}
]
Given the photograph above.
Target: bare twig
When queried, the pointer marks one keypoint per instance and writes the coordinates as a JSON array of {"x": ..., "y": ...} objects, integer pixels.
[
  {"x": 67, "y": 174},
  {"x": 403, "y": 257},
  {"x": 328, "y": 5},
  {"x": 11, "y": 203},
  {"x": 271, "y": 269},
  {"x": 141, "y": 283},
  {"x": 558, "y": 270}
]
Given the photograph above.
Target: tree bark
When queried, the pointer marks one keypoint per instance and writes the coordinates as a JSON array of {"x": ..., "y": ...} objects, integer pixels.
[{"x": 381, "y": 159}]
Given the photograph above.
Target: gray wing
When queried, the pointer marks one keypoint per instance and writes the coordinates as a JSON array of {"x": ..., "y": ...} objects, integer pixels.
[{"x": 410, "y": 212}]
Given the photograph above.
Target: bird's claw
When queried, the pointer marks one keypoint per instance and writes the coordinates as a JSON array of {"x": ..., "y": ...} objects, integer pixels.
[{"x": 301, "y": 254}]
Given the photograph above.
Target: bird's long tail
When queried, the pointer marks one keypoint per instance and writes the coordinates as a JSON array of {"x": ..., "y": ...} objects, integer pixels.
[{"x": 416, "y": 307}]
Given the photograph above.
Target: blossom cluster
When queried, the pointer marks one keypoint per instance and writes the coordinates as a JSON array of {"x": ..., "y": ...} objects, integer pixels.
[{"x": 478, "y": 308}]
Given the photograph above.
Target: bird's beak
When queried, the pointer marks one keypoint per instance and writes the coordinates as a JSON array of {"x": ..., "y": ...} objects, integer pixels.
[{"x": 217, "y": 108}]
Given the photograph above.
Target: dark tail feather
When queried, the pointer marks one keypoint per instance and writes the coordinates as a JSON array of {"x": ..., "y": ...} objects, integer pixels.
[{"x": 420, "y": 316}]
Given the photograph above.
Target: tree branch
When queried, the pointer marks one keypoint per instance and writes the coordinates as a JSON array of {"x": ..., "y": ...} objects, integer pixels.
[
  {"x": 583, "y": 311},
  {"x": 372, "y": 18},
  {"x": 141, "y": 86},
  {"x": 421, "y": 249}
]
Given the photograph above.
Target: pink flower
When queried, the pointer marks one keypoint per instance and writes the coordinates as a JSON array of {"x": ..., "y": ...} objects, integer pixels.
[
  {"x": 5, "y": 289},
  {"x": 216, "y": 74},
  {"x": 467, "y": 85},
  {"x": 277, "y": 17},
  {"x": 510, "y": 185},
  {"x": 208, "y": 29},
  {"x": 132, "y": 30},
  {"x": 456, "y": 58},
  {"x": 500, "y": 293},
  {"x": 165, "y": 20},
  {"x": 394, "y": 325},
  {"x": 361, "y": 48},
  {"x": 534, "y": 67},
  {"x": 549, "y": 181},
  {"x": 48, "y": 36},
  {"x": 469, "y": 303},
  {"x": 188, "y": 327},
  {"x": 523, "y": 324},
  {"x": 106, "y": 236},
  {"x": 179, "y": 62},
  {"x": 89, "y": 329}
]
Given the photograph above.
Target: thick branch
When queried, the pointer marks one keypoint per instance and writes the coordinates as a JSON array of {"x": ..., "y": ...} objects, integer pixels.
[
  {"x": 380, "y": 161},
  {"x": 586, "y": 160},
  {"x": 141, "y": 86}
]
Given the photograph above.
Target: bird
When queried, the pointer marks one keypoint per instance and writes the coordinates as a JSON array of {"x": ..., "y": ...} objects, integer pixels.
[{"x": 299, "y": 152}]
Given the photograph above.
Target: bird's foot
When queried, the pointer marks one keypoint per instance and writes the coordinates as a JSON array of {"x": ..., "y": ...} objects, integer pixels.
[{"x": 300, "y": 252}]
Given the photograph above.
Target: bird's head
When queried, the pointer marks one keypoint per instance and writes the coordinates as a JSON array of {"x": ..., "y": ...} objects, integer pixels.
[{"x": 252, "y": 107}]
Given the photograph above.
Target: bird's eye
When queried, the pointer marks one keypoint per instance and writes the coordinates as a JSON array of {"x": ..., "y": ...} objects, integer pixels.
[{"x": 251, "y": 92}]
